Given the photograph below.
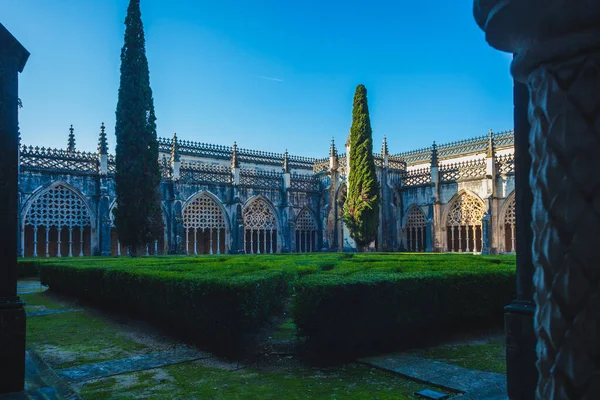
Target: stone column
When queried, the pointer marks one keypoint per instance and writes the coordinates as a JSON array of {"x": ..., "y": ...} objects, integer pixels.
[
  {"x": 12, "y": 315},
  {"x": 518, "y": 320},
  {"x": 557, "y": 54}
]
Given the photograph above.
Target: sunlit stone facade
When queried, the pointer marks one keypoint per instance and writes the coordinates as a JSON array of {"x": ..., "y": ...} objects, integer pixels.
[{"x": 455, "y": 197}]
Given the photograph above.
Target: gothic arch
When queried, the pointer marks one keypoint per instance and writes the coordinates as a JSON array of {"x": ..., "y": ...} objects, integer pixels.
[
  {"x": 463, "y": 219},
  {"x": 206, "y": 224},
  {"x": 262, "y": 228},
  {"x": 507, "y": 224},
  {"x": 306, "y": 231},
  {"x": 414, "y": 228},
  {"x": 57, "y": 220}
]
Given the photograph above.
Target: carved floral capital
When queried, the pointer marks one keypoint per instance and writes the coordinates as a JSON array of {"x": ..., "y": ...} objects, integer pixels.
[{"x": 539, "y": 31}]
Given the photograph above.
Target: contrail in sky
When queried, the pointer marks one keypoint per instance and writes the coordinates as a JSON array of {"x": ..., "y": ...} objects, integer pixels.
[{"x": 270, "y": 79}]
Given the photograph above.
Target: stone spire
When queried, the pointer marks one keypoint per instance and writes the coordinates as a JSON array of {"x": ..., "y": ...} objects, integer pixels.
[
  {"x": 332, "y": 149},
  {"x": 175, "y": 148},
  {"x": 434, "y": 155},
  {"x": 384, "y": 147},
  {"x": 491, "y": 151},
  {"x": 103, "y": 151},
  {"x": 175, "y": 159},
  {"x": 235, "y": 161},
  {"x": 286, "y": 162},
  {"x": 102, "y": 143},
  {"x": 71, "y": 143}
]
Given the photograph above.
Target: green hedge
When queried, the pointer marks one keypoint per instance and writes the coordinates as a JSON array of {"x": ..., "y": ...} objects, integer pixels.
[
  {"x": 344, "y": 305},
  {"x": 222, "y": 314},
  {"x": 345, "y": 317},
  {"x": 29, "y": 268}
]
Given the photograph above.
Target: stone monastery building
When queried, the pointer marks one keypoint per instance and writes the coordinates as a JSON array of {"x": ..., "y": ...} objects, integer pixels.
[{"x": 454, "y": 197}]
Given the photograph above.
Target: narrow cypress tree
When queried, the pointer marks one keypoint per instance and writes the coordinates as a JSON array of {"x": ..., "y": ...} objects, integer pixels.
[
  {"x": 361, "y": 208},
  {"x": 138, "y": 216}
]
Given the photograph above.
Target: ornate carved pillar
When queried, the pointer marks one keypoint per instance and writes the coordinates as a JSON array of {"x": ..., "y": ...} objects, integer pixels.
[
  {"x": 12, "y": 315},
  {"x": 557, "y": 54}
]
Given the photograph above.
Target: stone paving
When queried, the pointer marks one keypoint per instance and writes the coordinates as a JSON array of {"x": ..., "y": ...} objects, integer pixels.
[
  {"x": 130, "y": 364},
  {"x": 475, "y": 385},
  {"x": 41, "y": 382},
  {"x": 30, "y": 287},
  {"x": 49, "y": 312}
]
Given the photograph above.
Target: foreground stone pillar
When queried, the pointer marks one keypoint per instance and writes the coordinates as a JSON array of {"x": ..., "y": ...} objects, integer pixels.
[
  {"x": 557, "y": 53},
  {"x": 12, "y": 315},
  {"x": 521, "y": 373}
]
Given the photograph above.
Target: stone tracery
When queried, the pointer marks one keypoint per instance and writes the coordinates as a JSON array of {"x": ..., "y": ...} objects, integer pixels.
[
  {"x": 204, "y": 225},
  {"x": 260, "y": 227},
  {"x": 415, "y": 228},
  {"x": 306, "y": 232},
  {"x": 463, "y": 224},
  {"x": 508, "y": 226},
  {"x": 55, "y": 218}
]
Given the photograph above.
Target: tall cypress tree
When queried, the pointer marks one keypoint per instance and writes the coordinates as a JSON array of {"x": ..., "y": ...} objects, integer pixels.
[
  {"x": 138, "y": 216},
  {"x": 361, "y": 208}
]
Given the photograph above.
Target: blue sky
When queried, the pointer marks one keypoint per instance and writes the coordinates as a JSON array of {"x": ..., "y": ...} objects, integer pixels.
[{"x": 272, "y": 75}]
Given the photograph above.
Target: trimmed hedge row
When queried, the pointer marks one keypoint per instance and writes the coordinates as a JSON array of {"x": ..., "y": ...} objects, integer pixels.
[
  {"x": 344, "y": 305},
  {"x": 344, "y": 318},
  {"x": 223, "y": 315},
  {"x": 28, "y": 269}
]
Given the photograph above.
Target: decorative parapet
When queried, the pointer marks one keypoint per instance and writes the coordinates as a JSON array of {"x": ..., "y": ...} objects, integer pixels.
[
  {"x": 463, "y": 170},
  {"x": 198, "y": 172},
  {"x": 416, "y": 177},
  {"x": 506, "y": 164},
  {"x": 197, "y": 149},
  {"x": 260, "y": 179},
  {"x": 305, "y": 183},
  {"x": 461, "y": 148},
  {"x": 320, "y": 165},
  {"x": 396, "y": 163},
  {"x": 58, "y": 161}
]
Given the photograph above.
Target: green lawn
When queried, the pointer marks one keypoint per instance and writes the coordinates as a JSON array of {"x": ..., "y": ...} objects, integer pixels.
[
  {"x": 74, "y": 338},
  {"x": 483, "y": 355},
  {"x": 196, "y": 381}
]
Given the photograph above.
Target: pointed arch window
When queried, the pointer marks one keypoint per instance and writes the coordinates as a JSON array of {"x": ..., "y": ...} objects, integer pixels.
[
  {"x": 204, "y": 225},
  {"x": 306, "y": 232},
  {"x": 260, "y": 228},
  {"x": 58, "y": 223},
  {"x": 415, "y": 229},
  {"x": 508, "y": 225},
  {"x": 463, "y": 224}
]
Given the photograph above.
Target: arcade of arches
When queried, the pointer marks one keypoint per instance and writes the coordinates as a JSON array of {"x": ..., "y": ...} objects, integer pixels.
[{"x": 58, "y": 223}]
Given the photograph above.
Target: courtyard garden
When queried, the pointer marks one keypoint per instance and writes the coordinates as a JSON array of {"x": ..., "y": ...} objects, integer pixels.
[{"x": 337, "y": 306}]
